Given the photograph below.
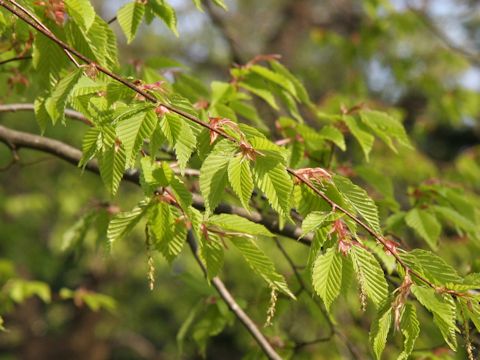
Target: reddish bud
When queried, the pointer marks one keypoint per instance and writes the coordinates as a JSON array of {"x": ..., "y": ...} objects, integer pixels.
[{"x": 161, "y": 110}]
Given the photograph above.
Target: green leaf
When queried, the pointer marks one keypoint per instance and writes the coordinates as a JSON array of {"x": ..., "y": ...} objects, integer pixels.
[
  {"x": 386, "y": 127},
  {"x": 425, "y": 225},
  {"x": 90, "y": 145},
  {"x": 165, "y": 12},
  {"x": 182, "y": 194},
  {"x": 443, "y": 309},
  {"x": 369, "y": 274},
  {"x": 275, "y": 78},
  {"x": 379, "y": 330},
  {"x": 360, "y": 132},
  {"x": 313, "y": 221},
  {"x": 81, "y": 11},
  {"x": 454, "y": 217},
  {"x": 76, "y": 234},
  {"x": 112, "y": 165},
  {"x": 262, "y": 93},
  {"x": 49, "y": 60},
  {"x": 198, "y": 4},
  {"x": 432, "y": 266},
  {"x": 212, "y": 253},
  {"x": 334, "y": 135},
  {"x": 129, "y": 17},
  {"x": 240, "y": 178},
  {"x": 213, "y": 174},
  {"x": 410, "y": 328},
  {"x": 327, "y": 276},
  {"x": 168, "y": 234},
  {"x": 55, "y": 104},
  {"x": 359, "y": 200},
  {"x": 19, "y": 290},
  {"x": 41, "y": 114},
  {"x": 261, "y": 264},
  {"x": 300, "y": 89},
  {"x": 273, "y": 180},
  {"x": 128, "y": 130},
  {"x": 220, "y": 3},
  {"x": 124, "y": 222},
  {"x": 180, "y": 136},
  {"x": 238, "y": 224}
]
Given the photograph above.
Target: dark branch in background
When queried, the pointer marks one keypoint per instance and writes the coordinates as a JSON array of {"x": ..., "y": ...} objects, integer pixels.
[
  {"x": 471, "y": 56},
  {"x": 16, "y": 58},
  {"x": 16, "y": 140},
  {"x": 31, "y": 107},
  {"x": 222, "y": 25},
  {"x": 232, "y": 304}
]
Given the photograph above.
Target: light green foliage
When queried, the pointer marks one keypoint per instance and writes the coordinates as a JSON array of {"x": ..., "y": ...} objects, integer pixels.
[
  {"x": 379, "y": 330},
  {"x": 261, "y": 264},
  {"x": 360, "y": 201},
  {"x": 444, "y": 312},
  {"x": 385, "y": 127},
  {"x": 240, "y": 178},
  {"x": 327, "y": 276},
  {"x": 180, "y": 136},
  {"x": 165, "y": 12},
  {"x": 214, "y": 174},
  {"x": 129, "y": 17},
  {"x": 432, "y": 267},
  {"x": 212, "y": 253},
  {"x": 369, "y": 275},
  {"x": 238, "y": 225},
  {"x": 55, "y": 104},
  {"x": 81, "y": 11},
  {"x": 166, "y": 234},
  {"x": 112, "y": 164},
  {"x": 410, "y": 328},
  {"x": 122, "y": 223},
  {"x": 425, "y": 224},
  {"x": 19, "y": 290},
  {"x": 361, "y": 134},
  {"x": 94, "y": 300}
]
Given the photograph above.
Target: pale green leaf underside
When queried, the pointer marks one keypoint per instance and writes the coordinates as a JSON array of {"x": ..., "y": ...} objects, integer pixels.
[
  {"x": 369, "y": 274},
  {"x": 327, "y": 276}
]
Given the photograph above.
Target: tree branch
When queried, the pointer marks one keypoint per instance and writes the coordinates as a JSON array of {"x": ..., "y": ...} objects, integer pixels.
[
  {"x": 17, "y": 139},
  {"x": 471, "y": 56},
  {"x": 31, "y": 107},
  {"x": 16, "y": 58},
  {"x": 220, "y": 23},
  {"x": 233, "y": 305}
]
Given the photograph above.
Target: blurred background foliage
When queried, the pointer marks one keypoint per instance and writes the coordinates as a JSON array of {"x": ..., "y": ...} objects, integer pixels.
[{"x": 64, "y": 294}]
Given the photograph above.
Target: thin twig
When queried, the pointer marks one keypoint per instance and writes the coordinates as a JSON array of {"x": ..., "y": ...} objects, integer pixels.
[
  {"x": 16, "y": 58},
  {"x": 473, "y": 57},
  {"x": 233, "y": 305},
  {"x": 31, "y": 107},
  {"x": 221, "y": 24}
]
